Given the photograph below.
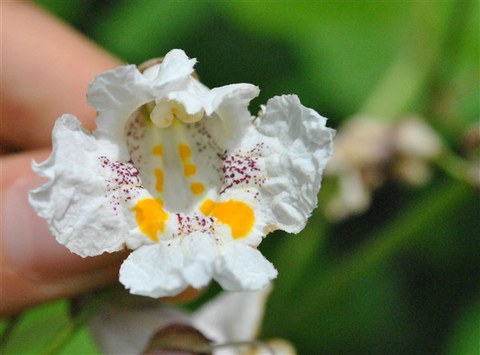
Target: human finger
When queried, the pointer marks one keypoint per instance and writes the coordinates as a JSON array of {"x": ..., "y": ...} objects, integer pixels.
[{"x": 46, "y": 68}]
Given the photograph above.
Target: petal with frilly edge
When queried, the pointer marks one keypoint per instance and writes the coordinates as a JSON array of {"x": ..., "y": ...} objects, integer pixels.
[
  {"x": 81, "y": 185},
  {"x": 299, "y": 147},
  {"x": 241, "y": 267},
  {"x": 169, "y": 267}
]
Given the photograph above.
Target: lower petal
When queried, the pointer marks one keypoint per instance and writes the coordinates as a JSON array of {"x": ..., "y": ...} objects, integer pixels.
[
  {"x": 243, "y": 268},
  {"x": 169, "y": 267}
]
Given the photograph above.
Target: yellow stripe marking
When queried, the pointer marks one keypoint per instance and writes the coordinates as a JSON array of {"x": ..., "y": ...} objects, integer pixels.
[{"x": 159, "y": 177}]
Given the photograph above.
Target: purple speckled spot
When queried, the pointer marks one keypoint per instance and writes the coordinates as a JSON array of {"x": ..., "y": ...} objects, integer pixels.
[
  {"x": 124, "y": 184},
  {"x": 242, "y": 168},
  {"x": 188, "y": 224}
]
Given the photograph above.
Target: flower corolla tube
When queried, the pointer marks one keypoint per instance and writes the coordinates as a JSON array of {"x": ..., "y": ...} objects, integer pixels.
[{"x": 183, "y": 175}]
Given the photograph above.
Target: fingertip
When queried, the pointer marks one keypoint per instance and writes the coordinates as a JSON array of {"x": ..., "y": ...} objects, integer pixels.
[
  {"x": 19, "y": 292},
  {"x": 46, "y": 68}
]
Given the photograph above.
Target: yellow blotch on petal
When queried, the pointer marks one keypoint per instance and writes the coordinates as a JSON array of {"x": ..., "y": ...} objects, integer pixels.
[
  {"x": 150, "y": 217},
  {"x": 207, "y": 207},
  {"x": 184, "y": 151},
  {"x": 197, "y": 188},
  {"x": 189, "y": 169},
  {"x": 159, "y": 177},
  {"x": 158, "y": 150},
  {"x": 236, "y": 214}
]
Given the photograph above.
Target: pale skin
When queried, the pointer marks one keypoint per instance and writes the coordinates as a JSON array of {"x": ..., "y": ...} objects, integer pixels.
[{"x": 46, "y": 67}]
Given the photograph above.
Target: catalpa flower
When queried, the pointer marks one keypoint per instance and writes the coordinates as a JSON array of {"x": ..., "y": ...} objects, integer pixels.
[{"x": 182, "y": 175}]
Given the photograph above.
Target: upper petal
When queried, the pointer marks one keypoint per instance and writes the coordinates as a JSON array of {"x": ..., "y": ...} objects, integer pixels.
[
  {"x": 237, "y": 94},
  {"x": 175, "y": 65},
  {"x": 117, "y": 93}
]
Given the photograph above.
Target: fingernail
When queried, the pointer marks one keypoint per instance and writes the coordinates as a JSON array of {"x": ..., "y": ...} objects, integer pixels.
[{"x": 27, "y": 242}]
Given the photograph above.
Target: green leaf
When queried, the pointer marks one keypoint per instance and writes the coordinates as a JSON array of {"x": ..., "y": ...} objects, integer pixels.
[
  {"x": 140, "y": 30},
  {"x": 36, "y": 327},
  {"x": 466, "y": 336},
  {"x": 70, "y": 11},
  {"x": 344, "y": 47},
  {"x": 341, "y": 282}
]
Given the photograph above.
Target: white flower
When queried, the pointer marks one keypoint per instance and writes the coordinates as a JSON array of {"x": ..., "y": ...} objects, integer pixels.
[
  {"x": 126, "y": 325},
  {"x": 182, "y": 175}
]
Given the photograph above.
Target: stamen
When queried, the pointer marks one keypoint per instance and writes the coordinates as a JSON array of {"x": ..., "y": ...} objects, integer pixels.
[{"x": 163, "y": 111}]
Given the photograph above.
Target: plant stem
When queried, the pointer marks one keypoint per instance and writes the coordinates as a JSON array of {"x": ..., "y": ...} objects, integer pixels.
[
  {"x": 401, "y": 84},
  {"x": 456, "y": 167}
]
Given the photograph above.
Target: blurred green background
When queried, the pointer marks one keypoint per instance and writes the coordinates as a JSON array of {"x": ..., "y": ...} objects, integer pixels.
[{"x": 400, "y": 278}]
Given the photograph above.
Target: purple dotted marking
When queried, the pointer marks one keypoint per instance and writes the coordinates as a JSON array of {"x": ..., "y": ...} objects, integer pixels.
[
  {"x": 188, "y": 224},
  {"x": 135, "y": 132},
  {"x": 242, "y": 168},
  {"x": 124, "y": 185}
]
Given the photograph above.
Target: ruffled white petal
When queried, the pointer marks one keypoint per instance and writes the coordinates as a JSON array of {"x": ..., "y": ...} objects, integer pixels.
[
  {"x": 169, "y": 267},
  {"x": 80, "y": 209},
  {"x": 175, "y": 65},
  {"x": 230, "y": 105},
  {"x": 243, "y": 268},
  {"x": 299, "y": 146},
  {"x": 235, "y": 94},
  {"x": 117, "y": 93}
]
